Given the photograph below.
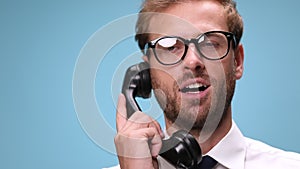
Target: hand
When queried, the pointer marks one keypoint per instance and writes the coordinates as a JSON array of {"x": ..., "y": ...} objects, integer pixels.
[{"x": 138, "y": 140}]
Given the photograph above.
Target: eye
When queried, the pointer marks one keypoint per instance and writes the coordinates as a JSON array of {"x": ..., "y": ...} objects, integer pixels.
[
  {"x": 209, "y": 42},
  {"x": 172, "y": 48}
]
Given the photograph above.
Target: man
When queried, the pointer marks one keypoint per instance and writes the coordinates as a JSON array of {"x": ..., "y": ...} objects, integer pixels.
[{"x": 195, "y": 57}]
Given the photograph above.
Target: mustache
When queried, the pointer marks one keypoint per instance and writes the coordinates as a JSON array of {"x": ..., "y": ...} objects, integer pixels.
[{"x": 193, "y": 75}]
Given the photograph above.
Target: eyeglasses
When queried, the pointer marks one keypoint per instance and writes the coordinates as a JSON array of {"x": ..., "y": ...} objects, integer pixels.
[{"x": 212, "y": 45}]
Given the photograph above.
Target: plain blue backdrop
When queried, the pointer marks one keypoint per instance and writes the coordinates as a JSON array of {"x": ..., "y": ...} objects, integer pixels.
[{"x": 40, "y": 42}]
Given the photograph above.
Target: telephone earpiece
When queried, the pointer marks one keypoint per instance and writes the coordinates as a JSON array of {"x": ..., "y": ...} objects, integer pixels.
[
  {"x": 137, "y": 83},
  {"x": 181, "y": 149}
]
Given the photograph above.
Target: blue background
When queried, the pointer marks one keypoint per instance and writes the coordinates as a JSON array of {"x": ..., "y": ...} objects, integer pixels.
[{"x": 40, "y": 42}]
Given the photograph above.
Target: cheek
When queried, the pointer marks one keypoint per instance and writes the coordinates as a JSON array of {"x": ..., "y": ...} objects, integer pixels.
[
  {"x": 221, "y": 73},
  {"x": 216, "y": 69},
  {"x": 221, "y": 67},
  {"x": 162, "y": 79},
  {"x": 161, "y": 75}
]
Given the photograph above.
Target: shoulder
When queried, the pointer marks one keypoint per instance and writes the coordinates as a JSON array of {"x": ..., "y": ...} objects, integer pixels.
[{"x": 259, "y": 153}]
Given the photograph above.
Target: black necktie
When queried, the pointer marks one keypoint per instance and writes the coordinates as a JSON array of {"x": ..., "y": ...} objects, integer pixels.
[{"x": 207, "y": 163}]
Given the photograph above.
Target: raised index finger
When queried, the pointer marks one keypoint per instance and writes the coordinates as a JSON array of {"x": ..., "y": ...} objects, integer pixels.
[{"x": 121, "y": 117}]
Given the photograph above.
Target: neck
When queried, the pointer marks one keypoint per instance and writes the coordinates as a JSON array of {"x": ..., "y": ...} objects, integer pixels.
[
  {"x": 220, "y": 132},
  {"x": 215, "y": 137}
]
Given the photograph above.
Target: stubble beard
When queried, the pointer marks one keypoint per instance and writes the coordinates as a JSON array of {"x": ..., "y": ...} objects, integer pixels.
[{"x": 191, "y": 114}]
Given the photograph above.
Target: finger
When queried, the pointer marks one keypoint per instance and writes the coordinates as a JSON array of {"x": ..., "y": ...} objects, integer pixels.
[
  {"x": 156, "y": 144},
  {"x": 121, "y": 117},
  {"x": 142, "y": 120},
  {"x": 157, "y": 125},
  {"x": 155, "y": 139},
  {"x": 136, "y": 144}
]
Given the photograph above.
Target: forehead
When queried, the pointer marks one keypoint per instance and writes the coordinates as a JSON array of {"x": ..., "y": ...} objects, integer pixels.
[{"x": 188, "y": 19}]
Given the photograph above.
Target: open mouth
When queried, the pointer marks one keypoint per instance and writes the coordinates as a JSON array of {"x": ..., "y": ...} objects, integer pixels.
[{"x": 194, "y": 88}]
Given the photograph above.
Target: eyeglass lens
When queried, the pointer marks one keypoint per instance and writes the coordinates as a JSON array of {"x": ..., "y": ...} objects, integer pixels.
[{"x": 212, "y": 46}]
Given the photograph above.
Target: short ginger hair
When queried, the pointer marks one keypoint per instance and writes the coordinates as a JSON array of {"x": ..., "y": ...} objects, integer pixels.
[{"x": 234, "y": 19}]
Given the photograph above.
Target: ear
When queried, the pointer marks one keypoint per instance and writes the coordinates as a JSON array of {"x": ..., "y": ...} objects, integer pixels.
[{"x": 239, "y": 61}]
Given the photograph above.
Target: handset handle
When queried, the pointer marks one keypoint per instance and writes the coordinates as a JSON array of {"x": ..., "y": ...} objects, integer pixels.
[{"x": 137, "y": 83}]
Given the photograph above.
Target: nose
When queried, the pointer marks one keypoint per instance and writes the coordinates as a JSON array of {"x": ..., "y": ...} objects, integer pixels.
[{"x": 192, "y": 59}]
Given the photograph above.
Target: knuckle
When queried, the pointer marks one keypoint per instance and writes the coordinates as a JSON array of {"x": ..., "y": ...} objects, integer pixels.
[{"x": 117, "y": 139}]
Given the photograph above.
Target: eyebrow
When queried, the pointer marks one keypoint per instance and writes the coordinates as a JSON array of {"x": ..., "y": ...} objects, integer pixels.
[{"x": 185, "y": 35}]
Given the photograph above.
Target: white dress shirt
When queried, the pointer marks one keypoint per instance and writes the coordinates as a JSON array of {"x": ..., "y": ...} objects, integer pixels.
[{"x": 235, "y": 151}]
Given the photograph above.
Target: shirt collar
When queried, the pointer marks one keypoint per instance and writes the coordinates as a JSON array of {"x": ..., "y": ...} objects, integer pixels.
[{"x": 231, "y": 150}]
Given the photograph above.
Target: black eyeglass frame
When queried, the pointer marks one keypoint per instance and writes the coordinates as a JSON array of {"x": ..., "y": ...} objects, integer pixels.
[{"x": 230, "y": 37}]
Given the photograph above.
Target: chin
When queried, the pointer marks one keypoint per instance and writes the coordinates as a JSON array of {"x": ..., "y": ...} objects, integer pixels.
[{"x": 192, "y": 119}]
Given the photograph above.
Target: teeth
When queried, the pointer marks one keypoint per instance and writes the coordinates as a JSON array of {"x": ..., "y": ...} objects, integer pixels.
[
  {"x": 195, "y": 85},
  {"x": 194, "y": 88}
]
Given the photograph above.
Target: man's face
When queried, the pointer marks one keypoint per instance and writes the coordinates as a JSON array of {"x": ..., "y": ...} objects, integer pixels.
[{"x": 214, "y": 81}]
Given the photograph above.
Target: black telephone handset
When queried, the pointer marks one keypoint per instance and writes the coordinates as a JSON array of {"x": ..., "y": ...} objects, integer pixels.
[{"x": 181, "y": 149}]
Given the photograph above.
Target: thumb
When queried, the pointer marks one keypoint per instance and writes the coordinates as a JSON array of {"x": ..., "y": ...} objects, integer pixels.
[{"x": 121, "y": 117}]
